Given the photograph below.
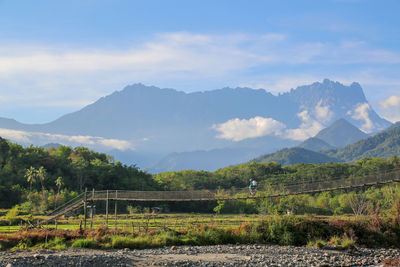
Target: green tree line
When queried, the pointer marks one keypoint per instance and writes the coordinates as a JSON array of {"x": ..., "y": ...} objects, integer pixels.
[{"x": 49, "y": 177}]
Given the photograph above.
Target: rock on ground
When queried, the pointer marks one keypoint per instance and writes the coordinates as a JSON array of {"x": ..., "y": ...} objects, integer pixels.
[{"x": 222, "y": 255}]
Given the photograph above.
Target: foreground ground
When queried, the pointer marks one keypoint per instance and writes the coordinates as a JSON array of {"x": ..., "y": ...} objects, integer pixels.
[{"x": 222, "y": 255}]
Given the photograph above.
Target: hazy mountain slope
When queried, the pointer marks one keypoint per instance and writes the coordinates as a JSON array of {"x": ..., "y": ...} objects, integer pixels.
[
  {"x": 202, "y": 160},
  {"x": 383, "y": 144},
  {"x": 290, "y": 156},
  {"x": 315, "y": 144},
  {"x": 158, "y": 122},
  {"x": 340, "y": 134},
  {"x": 168, "y": 119},
  {"x": 217, "y": 158}
]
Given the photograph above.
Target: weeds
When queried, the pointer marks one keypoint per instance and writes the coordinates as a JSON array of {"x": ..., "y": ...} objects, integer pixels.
[
  {"x": 319, "y": 244},
  {"x": 283, "y": 230},
  {"x": 85, "y": 243}
]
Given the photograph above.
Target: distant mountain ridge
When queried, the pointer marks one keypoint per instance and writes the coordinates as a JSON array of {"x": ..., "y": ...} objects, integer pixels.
[
  {"x": 384, "y": 144},
  {"x": 158, "y": 122},
  {"x": 290, "y": 156}
]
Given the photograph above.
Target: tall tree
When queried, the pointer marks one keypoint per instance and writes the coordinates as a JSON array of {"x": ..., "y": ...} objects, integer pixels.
[
  {"x": 30, "y": 176},
  {"x": 41, "y": 174},
  {"x": 59, "y": 184}
]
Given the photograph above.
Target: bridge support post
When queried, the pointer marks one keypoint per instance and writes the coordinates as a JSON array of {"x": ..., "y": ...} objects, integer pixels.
[
  {"x": 107, "y": 210},
  {"x": 85, "y": 208},
  {"x": 115, "y": 209},
  {"x": 92, "y": 210}
]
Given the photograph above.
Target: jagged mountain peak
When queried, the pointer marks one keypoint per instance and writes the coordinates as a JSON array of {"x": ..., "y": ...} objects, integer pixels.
[{"x": 161, "y": 121}]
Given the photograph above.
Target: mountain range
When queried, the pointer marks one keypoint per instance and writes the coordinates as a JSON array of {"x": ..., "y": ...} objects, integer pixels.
[
  {"x": 383, "y": 144},
  {"x": 166, "y": 129}
]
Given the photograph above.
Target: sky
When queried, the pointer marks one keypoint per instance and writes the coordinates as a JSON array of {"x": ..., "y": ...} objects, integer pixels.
[{"x": 58, "y": 56}]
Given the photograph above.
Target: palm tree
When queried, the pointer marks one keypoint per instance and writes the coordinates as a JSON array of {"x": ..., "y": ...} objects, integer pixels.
[
  {"x": 59, "y": 183},
  {"x": 30, "y": 176},
  {"x": 41, "y": 173}
]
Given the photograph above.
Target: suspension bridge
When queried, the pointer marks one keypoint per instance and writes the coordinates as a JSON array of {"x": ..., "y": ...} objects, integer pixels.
[{"x": 273, "y": 191}]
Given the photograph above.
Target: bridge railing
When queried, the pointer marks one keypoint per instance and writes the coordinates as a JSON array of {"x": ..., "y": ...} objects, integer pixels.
[
  {"x": 193, "y": 195},
  {"x": 66, "y": 205},
  {"x": 343, "y": 182}
]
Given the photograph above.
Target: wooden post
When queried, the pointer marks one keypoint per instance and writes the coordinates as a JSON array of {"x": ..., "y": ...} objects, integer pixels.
[
  {"x": 107, "y": 210},
  {"x": 85, "y": 209},
  {"x": 115, "y": 210},
  {"x": 92, "y": 210}
]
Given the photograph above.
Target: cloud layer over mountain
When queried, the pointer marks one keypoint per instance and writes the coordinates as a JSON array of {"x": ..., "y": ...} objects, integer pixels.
[{"x": 38, "y": 138}]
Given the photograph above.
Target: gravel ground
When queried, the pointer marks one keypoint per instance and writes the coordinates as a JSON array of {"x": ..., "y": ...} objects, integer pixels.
[{"x": 223, "y": 255}]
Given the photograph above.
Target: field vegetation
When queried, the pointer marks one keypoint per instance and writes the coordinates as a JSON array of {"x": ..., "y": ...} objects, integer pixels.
[
  {"x": 35, "y": 180},
  {"x": 339, "y": 233}
]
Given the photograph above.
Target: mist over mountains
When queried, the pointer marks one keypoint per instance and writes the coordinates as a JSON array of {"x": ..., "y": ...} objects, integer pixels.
[{"x": 166, "y": 129}]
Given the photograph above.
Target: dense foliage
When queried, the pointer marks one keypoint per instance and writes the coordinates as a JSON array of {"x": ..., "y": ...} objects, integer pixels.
[
  {"x": 266, "y": 173},
  {"x": 38, "y": 179},
  {"x": 34, "y": 169}
]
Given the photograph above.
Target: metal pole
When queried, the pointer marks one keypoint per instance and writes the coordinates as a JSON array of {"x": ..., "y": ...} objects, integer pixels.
[
  {"x": 107, "y": 210},
  {"x": 85, "y": 208}
]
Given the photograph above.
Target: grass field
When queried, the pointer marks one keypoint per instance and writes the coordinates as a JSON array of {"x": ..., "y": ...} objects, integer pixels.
[{"x": 146, "y": 222}]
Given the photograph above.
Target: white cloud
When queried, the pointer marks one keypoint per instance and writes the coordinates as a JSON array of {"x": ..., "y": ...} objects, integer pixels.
[
  {"x": 390, "y": 102},
  {"x": 72, "y": 140},
  {"x": 323, "y": 113},
  {"x": 391, "y": 108},
  {"x": 361, "y": 112},
  {"x": 237, "y": 129},
  {"x": 311, "y": 123},
  {"x": 308, "y": 128},
  {"x": 14, "y": 135}
]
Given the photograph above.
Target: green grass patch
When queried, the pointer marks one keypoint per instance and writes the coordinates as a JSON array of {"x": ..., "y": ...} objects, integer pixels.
[{"x": 85, "y": 243}]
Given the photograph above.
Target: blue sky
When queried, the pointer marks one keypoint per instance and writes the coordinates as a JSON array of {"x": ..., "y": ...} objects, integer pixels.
[{"x": 58, "y": 56}]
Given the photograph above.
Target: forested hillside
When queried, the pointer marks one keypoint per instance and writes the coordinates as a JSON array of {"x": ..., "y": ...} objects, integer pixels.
[
  {"x": 62, "y": 168},
  {"x": 38, "y": 179},
  {"x": 290, "y": 156},
  {"x": 384, "y": 144}
]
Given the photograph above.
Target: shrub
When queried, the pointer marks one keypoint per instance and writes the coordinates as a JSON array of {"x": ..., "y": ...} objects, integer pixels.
[
  {"x": 316, "y": 244},
  {"x": 23, "y": 244},
  {"x": 335, "y": 241},
  {"x": 348, "y": 243}
]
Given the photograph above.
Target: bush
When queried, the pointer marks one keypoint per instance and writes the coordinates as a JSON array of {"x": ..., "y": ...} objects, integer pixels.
[
  {"x": 316, "y": 244},
  {"x": 348, "y": 243}
]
